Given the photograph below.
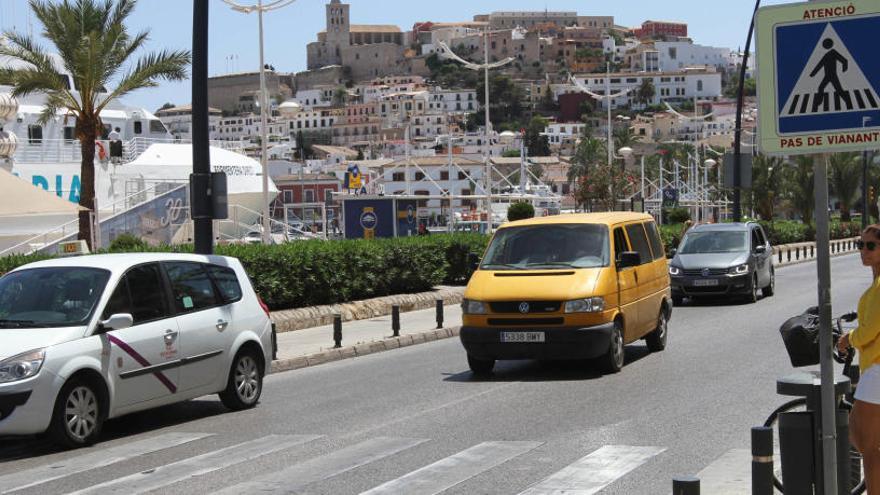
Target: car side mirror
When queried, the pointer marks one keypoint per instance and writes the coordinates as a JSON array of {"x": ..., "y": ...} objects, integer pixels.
[
  {"x": 117, "y": 321},
  {"x": 672, "y": 253},
  {"x": 473, "y": 260},
  {"x": 761, "y": 249},
  {"x": 628, "y": 259}
]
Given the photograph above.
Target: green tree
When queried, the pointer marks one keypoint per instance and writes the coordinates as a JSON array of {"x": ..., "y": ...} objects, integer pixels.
[
  {"x": 95, "y": 46},
  {"x": 800, "y": 187},
  {"x": 505, "y": 105},
  {"x": 845, "y": 176},
  {"x": 166, "y": 106},
  {"x": 624, "y": 137},
  {"x": 646, "y": 92},
  {"x": 340, "y": 97},
  {"x": 589, "y": 152},
  {"x": 749, "y": 89},
  {"x": 520, "y": 211},
  {"x": 603, "y": 186},
  {"x": 537, "y": 144},
  {"x": 767, "y": 175}
]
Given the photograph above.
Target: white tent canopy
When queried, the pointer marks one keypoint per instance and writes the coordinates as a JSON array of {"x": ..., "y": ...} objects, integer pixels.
[{"x": 21, "y": 199}]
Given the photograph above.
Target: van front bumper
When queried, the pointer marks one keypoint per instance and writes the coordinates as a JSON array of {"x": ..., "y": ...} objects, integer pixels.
[{"x": 559, "y": 342}]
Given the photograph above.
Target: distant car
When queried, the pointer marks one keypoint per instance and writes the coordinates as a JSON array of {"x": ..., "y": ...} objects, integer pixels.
[
  {"x": 96, "y": 337},
  {"x": 723, "y": 259}
]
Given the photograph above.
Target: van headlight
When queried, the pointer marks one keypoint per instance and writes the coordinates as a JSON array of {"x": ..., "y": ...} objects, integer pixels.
[
  {"x": 739, "y": 270},
  {"x": 22, "y": 366},
  {"x": 471, "y": 307},
  {"x": 588, "y": 305},
  {"x": 674, "y": 270}
]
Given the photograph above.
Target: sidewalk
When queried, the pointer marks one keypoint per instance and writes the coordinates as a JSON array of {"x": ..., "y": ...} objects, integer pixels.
[{"x": 312, "y": 346}]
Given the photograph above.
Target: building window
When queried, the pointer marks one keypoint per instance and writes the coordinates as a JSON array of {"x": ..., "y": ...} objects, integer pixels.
[
  {"x": 444, "y": 175},
  {"x": 309, "y": 196},
  {"x": 288, "y": 196},
  {"x": 420, "y": 176},
  {"x": 35, "y": 134},
  {"x": 398, "y": 177},
  {"x": 700, "y": 85}
]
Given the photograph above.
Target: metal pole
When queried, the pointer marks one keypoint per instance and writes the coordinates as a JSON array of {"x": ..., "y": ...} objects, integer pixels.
[
  {"x": 823, "y": 265},
  {"x": 762, "y": 461},
  {"x": 864, "y": 189},
  {"x": 406, "y": 166},
  {"x": 451, "y": 191},
  {"x": 660, "y": 183},
  {"x": 264, "y": 133},
  {"x": 488, "y": 172},
  {"x": 607, "y": 98},
  {"x": 685, "y": 486},
  {"x": 202, "y": 225},
  {"x": 737, "y": 135}
]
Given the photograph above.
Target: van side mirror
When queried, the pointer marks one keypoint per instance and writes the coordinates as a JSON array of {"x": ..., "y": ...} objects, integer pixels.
[
  {"x": 628, "y": 259},
  {"x": 672, "y": 253},
  {"x": 118, "y": 321},
  {"x": 761, "y": 249},
  {"x": 473, "y": 260}
]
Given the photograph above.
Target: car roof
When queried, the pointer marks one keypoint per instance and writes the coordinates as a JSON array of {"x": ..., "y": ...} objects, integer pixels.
[
  {"x": 605, "y": 218},
  {"x": 734, "y": 226},
  {"x": 122, "y": 261}
]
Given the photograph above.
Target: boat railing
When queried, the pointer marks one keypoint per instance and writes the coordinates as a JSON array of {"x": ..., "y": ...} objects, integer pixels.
[
  {"x": 43, "y": 240},
  {"x": 69, "y": 150}
]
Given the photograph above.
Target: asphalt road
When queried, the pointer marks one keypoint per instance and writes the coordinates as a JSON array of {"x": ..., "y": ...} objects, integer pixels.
[{"x": 377, "y": 421}]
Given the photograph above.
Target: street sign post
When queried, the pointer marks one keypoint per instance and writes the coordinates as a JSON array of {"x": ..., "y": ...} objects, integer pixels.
[{"x": 818, "y": 77}]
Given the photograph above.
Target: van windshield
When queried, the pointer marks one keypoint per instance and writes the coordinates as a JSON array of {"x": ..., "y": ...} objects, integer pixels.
[
  {"x": 50, "y": 297},
  {"x": 714, "y": 242},
  {"x": 555, "y": 246}
]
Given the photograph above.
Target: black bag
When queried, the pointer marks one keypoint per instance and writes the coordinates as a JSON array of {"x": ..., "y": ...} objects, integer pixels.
[{"x": 801, "y": 337}]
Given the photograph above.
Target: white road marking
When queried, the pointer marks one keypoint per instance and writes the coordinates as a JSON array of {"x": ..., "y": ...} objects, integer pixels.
[
  {"x": 452, "y": 470},
  {"x": 595, "y": 471},
  {"x": 93, "y": 458},
  {"x": 730, "y": 474},
  {"x": 325, "y": 467},
  {"x": 168, "y": 474}
]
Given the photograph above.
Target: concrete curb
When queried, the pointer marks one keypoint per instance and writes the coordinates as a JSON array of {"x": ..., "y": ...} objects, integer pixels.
[
  {"x": 363, "y": 349},
  {"x": 316, "y": 316}
]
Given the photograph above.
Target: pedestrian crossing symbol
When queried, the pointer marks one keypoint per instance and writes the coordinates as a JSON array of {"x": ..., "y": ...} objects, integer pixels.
[
  {"x": 819, "y": 77},
  {"x": 830, "y": 83}
]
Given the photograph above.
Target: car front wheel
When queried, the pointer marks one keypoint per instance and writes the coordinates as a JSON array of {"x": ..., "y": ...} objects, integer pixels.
[
  {"x": 245, "y": 382},
  {"x": 480, "y": 367},
  {"x": 656, "y": 340},
  {"x": 78, "y": 415},
  {"x": 771, "y": 287},
  {"x": 612, "y": 361}
]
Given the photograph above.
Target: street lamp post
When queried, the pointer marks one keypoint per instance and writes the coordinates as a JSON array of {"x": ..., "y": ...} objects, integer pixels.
[
  {"x": 260, "y": 7},
  {"x": 446, "y": 52}
]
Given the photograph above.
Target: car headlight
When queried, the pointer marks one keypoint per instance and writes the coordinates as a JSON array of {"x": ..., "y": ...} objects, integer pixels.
[
  {"x": 589, "y": 305},
  {"x": 739, "y": 270},
  {"x": 471, "y": 307},
  {"x": 674, "y": 270},
  {"x": 21, "y": 366}
]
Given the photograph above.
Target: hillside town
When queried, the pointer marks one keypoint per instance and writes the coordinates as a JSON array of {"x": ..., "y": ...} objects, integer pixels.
[{"x": 380, "y": 98}]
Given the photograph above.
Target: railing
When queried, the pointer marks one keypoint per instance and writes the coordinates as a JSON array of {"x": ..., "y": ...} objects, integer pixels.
[
  {"x": 44, "y": 240},
  {"x": 803, "y": 251},
  {"x": 66, "y": 150}
]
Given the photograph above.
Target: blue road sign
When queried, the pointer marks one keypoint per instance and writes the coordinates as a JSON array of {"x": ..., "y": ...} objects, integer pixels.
[{"x": 819, "y": 77}]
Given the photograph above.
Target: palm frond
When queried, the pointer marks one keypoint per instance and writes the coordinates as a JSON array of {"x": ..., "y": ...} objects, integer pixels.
[{"x": 150, "y": 69}]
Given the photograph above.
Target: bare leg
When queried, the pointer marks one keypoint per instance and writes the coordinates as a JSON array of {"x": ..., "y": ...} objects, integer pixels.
[{"x": 865, "y": 431}]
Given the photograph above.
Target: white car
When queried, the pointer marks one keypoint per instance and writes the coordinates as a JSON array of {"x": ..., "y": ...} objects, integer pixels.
[{"x": 89, "y": 338}]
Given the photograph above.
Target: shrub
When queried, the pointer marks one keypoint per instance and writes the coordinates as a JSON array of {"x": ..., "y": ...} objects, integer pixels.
[
  {"x": 677, "y": 215},
  {"x": 520, "y": 211},
  {"x": 127, "y": 243}
]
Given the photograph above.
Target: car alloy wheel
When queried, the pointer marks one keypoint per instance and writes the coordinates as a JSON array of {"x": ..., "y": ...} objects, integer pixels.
[
  {"x": 247, "y": 382},
  {"x": 81, "y": 413}
]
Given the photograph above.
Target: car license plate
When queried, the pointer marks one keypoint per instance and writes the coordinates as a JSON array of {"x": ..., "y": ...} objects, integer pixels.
[
  {"x": 522, "y": 336},
  {"x": 709, "y": 282}
]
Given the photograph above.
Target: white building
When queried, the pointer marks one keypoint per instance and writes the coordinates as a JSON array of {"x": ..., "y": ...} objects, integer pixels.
[
  {"x": 677, "y": 55},
  {"x": 668, "y": 86},
  {"x": 247, "y": 128},
  {"x": 453, "y": 100},
  {"x": 564, "y": 134},
  {"x": 380, "y": 88},
  {"x": 310, "y": 99},
  {"x": 430, "y": 176},
  {"x": 178, "y": 121}
]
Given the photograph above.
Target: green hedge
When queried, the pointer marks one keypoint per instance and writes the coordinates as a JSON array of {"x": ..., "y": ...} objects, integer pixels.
[{"x": 309, "y": 273}]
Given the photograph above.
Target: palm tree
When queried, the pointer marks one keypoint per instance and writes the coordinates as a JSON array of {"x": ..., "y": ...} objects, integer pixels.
[
  {"x": 589, "y": 152},
  {"x": 766, "y": 180},
  {"x": 801, "y": 188},
  {"x": 846, "y": 176},
  {"x": 94, "y": 45},
  {"x": 624, "y": 137},
  {"x": 645, "y": 93}
]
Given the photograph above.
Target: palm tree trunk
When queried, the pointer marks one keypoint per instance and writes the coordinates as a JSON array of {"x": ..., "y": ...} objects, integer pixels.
[{"x": 87, "y": 193}]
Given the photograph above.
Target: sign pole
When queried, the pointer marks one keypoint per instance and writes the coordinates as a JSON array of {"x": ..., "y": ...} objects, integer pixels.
[{"x": 823, "y": 265}]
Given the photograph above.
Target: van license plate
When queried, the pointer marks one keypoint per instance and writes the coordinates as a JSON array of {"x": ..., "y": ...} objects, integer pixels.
[
  {"x": 522, "y": 336},
  {"x": 711, "y": 282}
]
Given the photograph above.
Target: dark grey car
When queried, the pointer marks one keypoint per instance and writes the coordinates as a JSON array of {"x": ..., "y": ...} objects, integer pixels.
[{"x": 722, "y": 259}]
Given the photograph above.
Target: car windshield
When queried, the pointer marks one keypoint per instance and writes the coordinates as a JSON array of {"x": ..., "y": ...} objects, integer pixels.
[
  {"x": 714, "y": 242},
  {"x": 547, "y": 247},
  {"x": 50, "y": 297}
]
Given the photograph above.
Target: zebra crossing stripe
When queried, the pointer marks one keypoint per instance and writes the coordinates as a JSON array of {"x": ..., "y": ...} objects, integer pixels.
[
  {"x": 455, "y": 469},
  {"x": 595, "y": 471},
  {"x": 325, "y": 467},
  {"x": 93, "y": 458},
  {"x": 196, "y": 466}
]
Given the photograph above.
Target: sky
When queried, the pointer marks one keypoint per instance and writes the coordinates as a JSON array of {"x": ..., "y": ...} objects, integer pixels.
[{"x": 234, "y": 42}]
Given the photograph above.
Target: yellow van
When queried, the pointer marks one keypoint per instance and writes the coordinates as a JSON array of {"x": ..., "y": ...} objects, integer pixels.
[{"x": 577, "y": 286}]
